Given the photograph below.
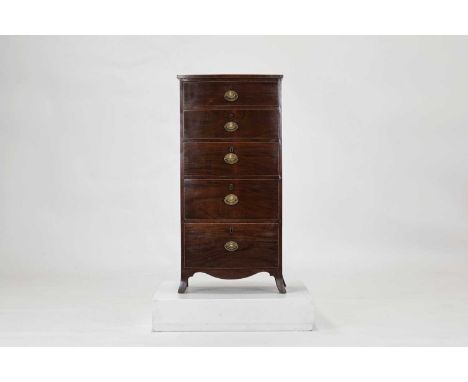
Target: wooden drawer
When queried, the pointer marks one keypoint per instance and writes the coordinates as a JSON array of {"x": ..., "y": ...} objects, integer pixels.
[
  {"x": 206, "y": 93},
  {"x": 257, "y": 245},
  {"x": 209, "y": 159},
  {"x": 256, "y": 199},
  {"x": 231, "y": 124}
]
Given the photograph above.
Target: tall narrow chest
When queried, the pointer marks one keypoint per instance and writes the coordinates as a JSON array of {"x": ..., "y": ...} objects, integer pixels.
[{"x": 230, "y": 176}]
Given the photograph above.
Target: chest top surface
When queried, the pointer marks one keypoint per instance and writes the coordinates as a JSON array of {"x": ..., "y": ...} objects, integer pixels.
[{"x": 188, "y": 77}]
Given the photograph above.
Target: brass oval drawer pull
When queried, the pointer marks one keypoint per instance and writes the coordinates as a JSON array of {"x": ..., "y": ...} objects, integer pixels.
[
  {"x": 231, "y": 158},
  {"x": 231, "y": 96},
  {"x": 231, "y": 126},
  {"x": 231, "y": 200},
  {"x": 231, "y": 246}
]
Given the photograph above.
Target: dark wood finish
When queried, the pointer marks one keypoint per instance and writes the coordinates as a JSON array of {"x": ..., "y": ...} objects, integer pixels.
[
  {"x": 258, "y": 245},
  {"x": 207, "y": 222},
  {"x": 280, "y": 284},
  {"x": 258, "y": 199},
  {"x": 253, "y": 124},
  {"x": 183, "y": 285},
  {"x": 207, "y": 159},
  {"x": 205, "y": 93},
  {"x": 223, "y": 77},
  {"x": 229, "y": 273}
]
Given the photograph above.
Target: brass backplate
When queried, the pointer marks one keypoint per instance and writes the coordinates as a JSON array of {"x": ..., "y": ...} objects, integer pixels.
[
  {"x": 231, "y": 158},
  {"x": 231, "y": 200},
  {"x": 231, "y": 126},
  {"x": 231, "y": 95},
  {"x": 231, "y": 246}
]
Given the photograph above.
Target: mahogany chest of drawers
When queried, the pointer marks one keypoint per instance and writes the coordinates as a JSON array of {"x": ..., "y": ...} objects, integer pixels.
[{"x": 230, "y": 176}]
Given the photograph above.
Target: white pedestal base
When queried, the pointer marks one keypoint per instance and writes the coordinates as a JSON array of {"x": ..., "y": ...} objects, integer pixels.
[{"x": 239, "y": 306}]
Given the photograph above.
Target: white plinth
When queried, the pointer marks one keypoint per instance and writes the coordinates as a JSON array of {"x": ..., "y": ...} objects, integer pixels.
[{"x": 239, "y": 306}]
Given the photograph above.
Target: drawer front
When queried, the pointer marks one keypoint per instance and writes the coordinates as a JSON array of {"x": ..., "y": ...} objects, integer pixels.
[
  {"x": 231, "y": 199},
  {"x": 241, "y": 93},
  {"x": 247, "y": 246},
  {"x": 231, "y": 124},
  {"x": 231, "y": 159}
]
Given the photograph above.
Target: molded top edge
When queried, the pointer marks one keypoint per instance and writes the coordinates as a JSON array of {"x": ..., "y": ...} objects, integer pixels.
[{"x": 227, "y": 76}]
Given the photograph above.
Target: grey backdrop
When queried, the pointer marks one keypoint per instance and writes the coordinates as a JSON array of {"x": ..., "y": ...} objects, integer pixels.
[
  {"x": 375, "y": 133},
  {"x": 375, "y": 148}
]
